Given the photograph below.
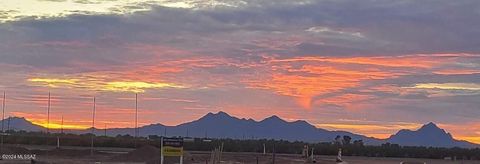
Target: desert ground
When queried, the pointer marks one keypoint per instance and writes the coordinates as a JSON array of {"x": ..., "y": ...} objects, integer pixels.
[{"x": 151, "y": 155}]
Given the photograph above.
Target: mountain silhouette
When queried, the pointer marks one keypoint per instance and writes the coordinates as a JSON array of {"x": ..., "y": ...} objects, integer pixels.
[
  {"x": 223, "y": 125},
  {"x": 20, "y": 123},
  {"x": 429, "y": 135}
]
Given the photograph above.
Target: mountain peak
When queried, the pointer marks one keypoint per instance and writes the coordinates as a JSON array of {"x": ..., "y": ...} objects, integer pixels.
[
  {"x": 216, "y": 116},
  {"x": 15, "y": 118},
  {"x": 222, "y": 113},
  {"x": 430, "y": 125},
  {"x": 273, "y": 118}
]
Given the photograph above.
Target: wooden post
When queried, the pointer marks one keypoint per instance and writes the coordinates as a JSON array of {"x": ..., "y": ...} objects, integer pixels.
[
  {"x": 311, "y": 156},
  {"x": 58, "y": 142},
  {"x": 161, "y": 151},
  {"x": 181, "y": 159},
  {"x": 221, "y": 153},
  {"x": 273, "y": 154},
  {"x": 264, "y": 149}
]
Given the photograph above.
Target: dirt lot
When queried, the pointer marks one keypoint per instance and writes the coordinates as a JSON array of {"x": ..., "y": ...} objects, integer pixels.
[{"x": 150, "y": 155}]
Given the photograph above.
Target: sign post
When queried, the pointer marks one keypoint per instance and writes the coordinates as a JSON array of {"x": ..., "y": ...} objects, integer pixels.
[{"x": 171, "y": 147}]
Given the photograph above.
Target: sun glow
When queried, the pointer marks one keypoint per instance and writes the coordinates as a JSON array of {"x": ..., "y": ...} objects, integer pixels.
[
  {"x": 53, "y": 125},
  {"x": 53, "y": 82},
  {"x": 370, "y": 129},
  {"x": 470, "y": 139}
]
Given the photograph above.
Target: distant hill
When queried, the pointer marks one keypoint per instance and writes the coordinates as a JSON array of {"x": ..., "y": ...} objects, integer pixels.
[
  {"x": 222, "y": 125},
  {"x": 428, "y": 135}
]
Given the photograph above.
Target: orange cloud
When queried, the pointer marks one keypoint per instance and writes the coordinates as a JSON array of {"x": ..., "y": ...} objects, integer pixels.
[
  {"x": 307, "y": 77},
  {"x": 348, "y": 101},
  {"x": 303, "y": 88}
]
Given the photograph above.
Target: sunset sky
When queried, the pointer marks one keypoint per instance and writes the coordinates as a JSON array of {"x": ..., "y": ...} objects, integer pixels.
[{"x": 370, "y": 67}]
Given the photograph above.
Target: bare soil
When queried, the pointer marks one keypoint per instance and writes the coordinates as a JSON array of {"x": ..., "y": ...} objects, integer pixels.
[{"x": 151, "y": 155}]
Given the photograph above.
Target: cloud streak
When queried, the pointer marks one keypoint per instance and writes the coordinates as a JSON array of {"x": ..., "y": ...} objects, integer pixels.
[{"x": 98, "y": 85}]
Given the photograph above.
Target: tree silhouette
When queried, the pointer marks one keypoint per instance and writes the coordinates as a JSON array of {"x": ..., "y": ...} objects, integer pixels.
[{"x": 347, "y": 140}]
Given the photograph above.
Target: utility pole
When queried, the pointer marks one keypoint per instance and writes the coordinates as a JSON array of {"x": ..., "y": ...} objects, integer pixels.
[
  {"x": 58, "y": 136},
  {"x": 136, "y": 118},
  {"x": 61, "y": 130},
  {"x": 105, "y": 129},
  {"x": 3, "y": 111},
  {"x": 3, "y": 118},
  {"x": 93, "y": 126},
  {"x": 8, "y": 124},
  {"x": 48, "y": 115},
  {"x": 48, "y": 122}
]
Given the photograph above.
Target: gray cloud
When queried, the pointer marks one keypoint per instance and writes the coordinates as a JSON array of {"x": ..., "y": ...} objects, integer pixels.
[{"x": 400, "y": 27}]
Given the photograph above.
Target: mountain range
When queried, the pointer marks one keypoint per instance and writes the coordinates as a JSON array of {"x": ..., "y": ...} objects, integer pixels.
[{"x": 222, "y": 125}]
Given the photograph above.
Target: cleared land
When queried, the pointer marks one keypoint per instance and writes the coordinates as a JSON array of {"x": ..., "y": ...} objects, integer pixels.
[{"x": 150, "y": 155}]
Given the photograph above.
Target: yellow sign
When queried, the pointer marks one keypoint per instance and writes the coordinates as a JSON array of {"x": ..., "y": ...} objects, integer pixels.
[
  {"x": 172, "y": 151},
  {"x": 172, "y": 146}
]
